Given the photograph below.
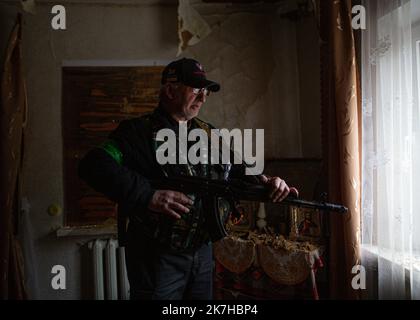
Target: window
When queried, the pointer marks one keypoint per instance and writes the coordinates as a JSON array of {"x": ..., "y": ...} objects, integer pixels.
[
  {"x": 95, "y": 100},
  {"x": 391, "y": 147}
]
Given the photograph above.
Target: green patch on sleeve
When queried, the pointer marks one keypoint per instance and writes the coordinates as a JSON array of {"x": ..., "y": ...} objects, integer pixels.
[{"x": 111, "y": 147}]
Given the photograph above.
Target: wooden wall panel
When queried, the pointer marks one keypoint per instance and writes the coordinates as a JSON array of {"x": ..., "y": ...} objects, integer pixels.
[{"x": 95, "y": 100}]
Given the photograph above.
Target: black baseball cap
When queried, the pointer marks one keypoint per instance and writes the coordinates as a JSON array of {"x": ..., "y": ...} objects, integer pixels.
[{"x": 189, "y": 72}]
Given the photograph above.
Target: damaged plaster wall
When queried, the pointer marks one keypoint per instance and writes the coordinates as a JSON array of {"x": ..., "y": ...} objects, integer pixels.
[{"x": 269, "y": 73}]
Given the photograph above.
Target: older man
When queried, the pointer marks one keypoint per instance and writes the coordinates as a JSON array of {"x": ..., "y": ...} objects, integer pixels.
[{"x": 168, "y": 247}]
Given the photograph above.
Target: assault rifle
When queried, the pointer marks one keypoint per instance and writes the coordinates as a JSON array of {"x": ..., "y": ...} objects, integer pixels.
[{"x": 231, "y": 190}]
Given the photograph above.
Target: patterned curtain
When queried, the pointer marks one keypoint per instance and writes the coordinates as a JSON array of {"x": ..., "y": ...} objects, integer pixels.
[
  {"x": 12, "y": 121},
  {"x": 341, "y": 142}
]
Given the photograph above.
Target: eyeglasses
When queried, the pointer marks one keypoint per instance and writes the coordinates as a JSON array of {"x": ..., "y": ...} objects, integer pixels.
[{"x": 197, "y": 91}]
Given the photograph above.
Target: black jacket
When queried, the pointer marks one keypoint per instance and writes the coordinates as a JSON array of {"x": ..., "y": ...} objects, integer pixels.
[{"x": 125, "y": 180}]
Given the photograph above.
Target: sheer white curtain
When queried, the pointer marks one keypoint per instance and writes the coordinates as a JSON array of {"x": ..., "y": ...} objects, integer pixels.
[{"x": 390, "y": 176}]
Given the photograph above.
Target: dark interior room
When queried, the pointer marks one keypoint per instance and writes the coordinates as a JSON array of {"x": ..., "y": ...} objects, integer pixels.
[{"x": 316, "y": 100}]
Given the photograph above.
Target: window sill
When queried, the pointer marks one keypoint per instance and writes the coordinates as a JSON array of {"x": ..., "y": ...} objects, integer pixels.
[
  {"x": 387, "y": 255},
  {"x": 92, "y": 230}
]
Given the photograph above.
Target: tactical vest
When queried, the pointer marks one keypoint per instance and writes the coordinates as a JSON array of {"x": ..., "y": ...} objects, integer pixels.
[{"x": 189, "y": 232}]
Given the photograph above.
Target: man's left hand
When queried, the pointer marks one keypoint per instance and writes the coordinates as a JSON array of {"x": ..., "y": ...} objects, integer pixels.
[{"x": 279, "y": 188}]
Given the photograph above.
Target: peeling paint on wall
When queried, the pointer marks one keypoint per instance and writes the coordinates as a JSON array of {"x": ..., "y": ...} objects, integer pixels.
[
  {"x": 29, "y": 6},
  {"x": 254, "y": 57},
  {"x": 192, "y": 28}
]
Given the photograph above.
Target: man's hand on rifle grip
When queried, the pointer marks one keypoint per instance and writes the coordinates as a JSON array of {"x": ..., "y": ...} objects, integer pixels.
[
  {"x": 170, "y": 202},
  {"x": 279, "y": 189}
]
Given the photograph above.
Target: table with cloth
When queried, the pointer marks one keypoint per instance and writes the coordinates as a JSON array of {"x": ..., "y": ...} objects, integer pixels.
[{"x": 266, "y": 266}]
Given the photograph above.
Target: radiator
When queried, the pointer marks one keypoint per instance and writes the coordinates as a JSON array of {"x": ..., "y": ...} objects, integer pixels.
[{"x": 110, "y": 280}]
